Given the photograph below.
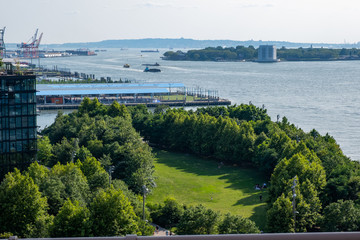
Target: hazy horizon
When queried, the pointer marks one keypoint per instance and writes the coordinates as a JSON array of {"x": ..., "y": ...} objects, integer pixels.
[{"x": 68, "y": 21}]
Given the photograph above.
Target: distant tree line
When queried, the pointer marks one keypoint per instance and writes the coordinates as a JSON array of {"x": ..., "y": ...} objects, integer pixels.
[{"x": 241, "y": 53}]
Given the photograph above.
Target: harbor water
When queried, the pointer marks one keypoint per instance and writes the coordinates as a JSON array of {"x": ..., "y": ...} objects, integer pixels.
[{"x": 313, "y": 95}]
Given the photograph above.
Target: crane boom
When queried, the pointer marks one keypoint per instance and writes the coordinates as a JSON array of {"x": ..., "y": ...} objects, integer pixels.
[{"x": 30, "y": 49}]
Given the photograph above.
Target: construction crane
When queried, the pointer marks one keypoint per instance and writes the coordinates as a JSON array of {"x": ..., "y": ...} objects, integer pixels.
[
  {"x": 30, "y": 49},
  {"x": 2, "y": 43}
]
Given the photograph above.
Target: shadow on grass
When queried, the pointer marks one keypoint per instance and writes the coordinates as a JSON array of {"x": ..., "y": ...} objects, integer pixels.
[
  {"x": 238, "y": 178},
  {"x": 253, "y": 199},
  {"x": 259, "y": 216}
]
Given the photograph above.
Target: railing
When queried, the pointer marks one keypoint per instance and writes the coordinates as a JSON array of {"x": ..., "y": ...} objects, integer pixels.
[{"x": 274, "y": 236}]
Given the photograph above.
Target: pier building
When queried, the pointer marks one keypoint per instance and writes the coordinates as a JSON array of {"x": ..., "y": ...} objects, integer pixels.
[
  {"x": 69, "y": 96},
  {"x": 18, "y": 128}
]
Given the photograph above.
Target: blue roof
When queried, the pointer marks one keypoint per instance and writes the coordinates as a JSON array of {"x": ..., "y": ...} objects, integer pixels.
[
  {"x": 102, "y": 91},
  {"x": 99, "y": 89}
]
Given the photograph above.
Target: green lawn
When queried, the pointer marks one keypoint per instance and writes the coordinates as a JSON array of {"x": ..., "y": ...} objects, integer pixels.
[{"x": 193, "y": 180}]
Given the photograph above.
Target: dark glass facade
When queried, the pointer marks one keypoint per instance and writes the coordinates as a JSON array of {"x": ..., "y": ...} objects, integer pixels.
[{"x": 18, "y": 126}]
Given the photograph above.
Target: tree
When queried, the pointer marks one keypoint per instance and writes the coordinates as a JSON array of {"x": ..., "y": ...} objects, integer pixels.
[
  {"x": 197, "y": 220},
  {"x": 23, "y": 209},
  {"x": 341, "y": 216},
  {"x": 112, "y": 214},
  {"x": 232, "y": 224},
  {"x": 280, "y": 216},
  {"x": 95, "y": 174},
  {"x": 38, "y": 173},
  {"x": 304, "y": 167},
  {"x": 72, "y": 220},
  {"x": 45, "y": 149},
  {"x": 169, "y": 214},
  {"x": 65, "y": 181},
  {"x": 65, "y": 151}
]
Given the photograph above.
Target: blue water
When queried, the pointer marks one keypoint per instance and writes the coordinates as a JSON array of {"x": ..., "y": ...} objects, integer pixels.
[{"x": 320, "y": 95}]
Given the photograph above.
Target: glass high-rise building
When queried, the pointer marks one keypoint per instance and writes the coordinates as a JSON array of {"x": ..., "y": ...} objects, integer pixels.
[{"x": 18, "y": 128}]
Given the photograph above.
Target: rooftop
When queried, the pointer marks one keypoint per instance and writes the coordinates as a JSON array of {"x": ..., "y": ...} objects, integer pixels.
[{"x": 99, "y": 89}]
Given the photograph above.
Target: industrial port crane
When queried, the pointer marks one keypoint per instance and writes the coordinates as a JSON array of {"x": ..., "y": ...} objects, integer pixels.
[
  {"x": 31, "y": 48},
  {"x": 2, "y": 43}
]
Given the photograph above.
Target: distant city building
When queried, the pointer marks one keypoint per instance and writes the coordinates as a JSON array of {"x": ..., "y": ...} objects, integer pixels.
[
  {"x": 18, "y": 128},
  {"x": 267, "y": 53}
]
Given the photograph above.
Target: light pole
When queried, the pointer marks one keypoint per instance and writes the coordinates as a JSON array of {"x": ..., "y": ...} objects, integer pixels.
[
  {"x": 111, "y": 170},
  {"x": 145, "y": 190},
  {"x": 293, "y": 201}
]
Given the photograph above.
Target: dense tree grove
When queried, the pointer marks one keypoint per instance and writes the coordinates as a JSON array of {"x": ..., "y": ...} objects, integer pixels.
[
  {"x": 63, "y": 201},
  {"x": 245, "y": 135},
  {"x": 105, "y": 133},
  {"x": 250, "y": 54},
  {"x": 198, "y": 219},
  {"x": 93, "y": 163}
]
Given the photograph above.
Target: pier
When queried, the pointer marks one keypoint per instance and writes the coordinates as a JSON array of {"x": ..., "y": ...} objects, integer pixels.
[{"x": 70, "y": 96}]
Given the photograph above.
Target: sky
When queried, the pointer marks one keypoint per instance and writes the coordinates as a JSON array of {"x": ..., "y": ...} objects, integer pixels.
[{"x": 70, "y": 21}]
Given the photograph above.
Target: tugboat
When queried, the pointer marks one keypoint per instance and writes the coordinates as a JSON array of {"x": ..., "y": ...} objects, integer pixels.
[
  {"x": 126, "y": 65},
  {"x": 147, "y": 69}
]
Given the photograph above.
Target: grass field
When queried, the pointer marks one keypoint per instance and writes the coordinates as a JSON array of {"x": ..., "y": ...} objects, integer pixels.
[{"x": 193, "y": 180}]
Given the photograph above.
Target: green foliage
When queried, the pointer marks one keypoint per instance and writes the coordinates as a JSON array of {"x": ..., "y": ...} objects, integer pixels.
[
  {"x": 71, "y": 221},
  {"x": 214, "y": 54},
  {"x": 23, "y": 209},
  {"x": 91, "y": 107},
  {"x": 309, "y": 54},
  {"x": 95, "y": 174},
  {"x": 65, "y": 182},
  {"x": 169, "y": 214},
  {"x": 117, "y": 110},
  {"x": 45, "y": 150},
  {"x": 243, "y": 135},
  {"x": 311, "y": 180},
  {"x": 107, "y": 134},
  {"x": 38, "y": 173},
  {"x": 232, "y": 224},
  {"x": 6, "y": 235},
  {"x": 64, "y": 152},
  {"x": 250, "y": 54},
  {"x": 280, "y": 216},
  {"x": 197, "y": 220},
  {"x": 341, "y": 216},
  {"x": 83, "y": 153},
  {"x": 112, "y": 214},
  {"x": 306, "y": 169}
]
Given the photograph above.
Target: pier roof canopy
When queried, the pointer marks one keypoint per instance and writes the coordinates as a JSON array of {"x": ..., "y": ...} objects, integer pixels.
[{"x": 101, "y": 89}]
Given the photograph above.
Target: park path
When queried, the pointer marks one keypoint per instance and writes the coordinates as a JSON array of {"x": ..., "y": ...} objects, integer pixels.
[{"x": 161, "y": 231}]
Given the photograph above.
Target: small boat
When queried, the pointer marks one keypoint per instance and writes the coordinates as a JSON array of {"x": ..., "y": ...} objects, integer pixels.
[
  {"x": 152, "y": 70},
  {"x": 126, "y": 65},
  {"x": 150, "y": 64}
]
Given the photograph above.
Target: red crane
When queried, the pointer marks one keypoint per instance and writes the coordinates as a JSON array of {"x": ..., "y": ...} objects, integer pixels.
[{"x": 31, "y": 48}]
